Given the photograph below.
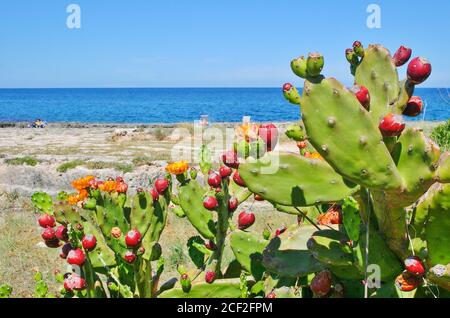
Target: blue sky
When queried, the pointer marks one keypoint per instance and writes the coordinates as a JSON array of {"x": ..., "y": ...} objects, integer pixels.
[{"x": 221, "y": 43}]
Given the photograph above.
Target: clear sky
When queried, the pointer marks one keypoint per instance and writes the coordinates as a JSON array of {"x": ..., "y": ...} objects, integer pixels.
[{"x": 221, "y": 43}]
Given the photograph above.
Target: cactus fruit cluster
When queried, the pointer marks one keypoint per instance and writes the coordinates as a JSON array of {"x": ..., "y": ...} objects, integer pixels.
[
  {"x": 370, "y": 195},
  {"x": 109, "y": 237}
]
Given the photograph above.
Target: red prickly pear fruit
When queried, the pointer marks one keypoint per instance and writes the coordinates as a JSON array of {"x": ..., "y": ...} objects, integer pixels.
[
  {"x": 133, "y": 238},
  {"x": 214, "y": 180},
  {"x": 46, "y": 220},
  {"x": 53, "y": 243},
  {"x": 321, "y": 283},
  {"x": 49, "y": 234},
  {"x": 119, "y": 179},
  {"x": 129, "y": 257},
  {"x": 225, "y": 171},
  {"x": 232, "y": 204},
  {"x": 418, "y": 70},
  {"x": 65, "y": 250},
  {"x": 230, "y": 159},
  {"x": 245, "y": 220},
  {"x": 271, "y": 295},
  {"x": 407, "y": 282},
  {"x": 391, "y": 126},
  {"x": 210, "y": 245},
  {"x": 161, "y": 185},
  {"x": 280, "y": 231},
  {"x": 155, "y": 194},
  {"x": 121, "y": 187},
  {"x": 116, "y": 232},
  {"x": 414, "y": 265},
  {"x": 332, "y": 216},
  {"x": 269, "y": 134},
  {"x": 210, "y": 203},
  {"x": 362, "y": 94},
  {"x": 74, "y": 282},
  {"x": 89, "y": 242},
  {"x": 302, "y": 144},
  {"x": 185, "y": 276},
  {"x": 287, "y": 87},
  {"x": 210, "y": 276},
  {"x": 237, "y": 179},
  {"x": 258, "y": 197},
  {"x": 402, "y": 55},
  {"x": 61, "y": 233},
  {"x": 414, "y": 106},
  {"x": 76, "y": 257}
]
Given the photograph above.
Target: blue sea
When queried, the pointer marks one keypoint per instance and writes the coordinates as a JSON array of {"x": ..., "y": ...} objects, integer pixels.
[{"x": 169, "y": 105}]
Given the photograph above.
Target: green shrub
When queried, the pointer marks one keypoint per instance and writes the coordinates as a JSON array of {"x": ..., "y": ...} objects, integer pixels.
[
  {"x": 69, "y": 165},
  {"x": 441, "y": 134},
  {"x": 29, "y": 161}
]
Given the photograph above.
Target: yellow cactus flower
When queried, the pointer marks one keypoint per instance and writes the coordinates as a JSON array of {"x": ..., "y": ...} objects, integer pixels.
[
  {"x": 177, "y": 168},
  {"x": 247, "y": 131}
]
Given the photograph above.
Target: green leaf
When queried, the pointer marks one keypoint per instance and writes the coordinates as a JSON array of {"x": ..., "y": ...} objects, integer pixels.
[
  {"x": 351, "y": 218},
  {"x": 205, "y": 160}
]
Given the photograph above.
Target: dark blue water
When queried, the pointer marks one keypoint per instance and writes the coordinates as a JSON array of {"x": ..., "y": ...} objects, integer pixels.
[{"x": 168, "y": 105}]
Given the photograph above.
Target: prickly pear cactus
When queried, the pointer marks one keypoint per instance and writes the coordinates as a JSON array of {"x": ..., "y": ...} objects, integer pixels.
[
  {"x": 106, "y": 233},
  {"x": 354, "y": 148}
]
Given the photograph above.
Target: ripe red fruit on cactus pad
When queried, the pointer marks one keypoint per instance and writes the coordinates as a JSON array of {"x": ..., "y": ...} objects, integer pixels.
[
  {"x": 418, "y": 70},
  {"x": 230, "y": 159},
  {"x": 269, "y": 134},
  {"x": 76, "y": 257},
  {"x": 74, "y": 282},
  {"x": 232, "y": 204},
  {"x": 402, "y": 55},
  {"x": 301, "y": 144},
  {"x": 65, "y": 250},
  {"x": 89, "y": 242},
  {"x": 161, "y": 185},
  {"x": 210, "y": 203},
  {"x": 332, "y": 216},
  {"x": 414, "y": 106},
  {"x": 287, "y": 87},
  {"x": 53, "y": 243},
  {"x": 271, "y": 295},
  {"x": 245, "y": 220},
  {"x": 237, "y": 179},
  {"x": 321, "y": 283},
  {"x": 414, "y": 265},
  {"x": 391, "y": 126},
  {"x": 133, "y": 238},
  {"x": 214, "y": 180},
  {"x": 210, "y": 245},
  {"x": 362, "y": 94},
  {"x": 210, "y": 276},
  {"x": 280, "y": 231},
  {"x": 46, "y": 220},
  {"x": 129, "y": 257},
  {"x": 225, "y": 171},
  {"x": 61, "y": 233},
  {"x": 155, "y": 194},
  {"x": 49, "y": 234},
  {"x": 121, "y": 187},
  {"x": 258, "y": 197},
  {"x": 407, "y": 281}
]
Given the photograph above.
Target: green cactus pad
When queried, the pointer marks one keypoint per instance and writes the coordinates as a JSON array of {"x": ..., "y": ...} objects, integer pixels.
[
  {"x": 406, "y": 92},
  {"x": 440, "y": 275},
  {"x": 42, "y": 202},
  {"x": 191, "y": 201},
  {"x": 343, "y": 133},
  {"x": 248, "y": 248},
  {"x": 330, "y": 247},
  {"x": 221, "y": 288},
  {"x": 66, "y": 214},
  {"x": 443, "y": 171},
  {"x": 141, "y": 212},
  {"x": 288, "y": 255},
  {"x": 377, "y": 72},
  {"x": 416, "y": 159},
  {"x": 438, "y": 226},
  {"x": 298, "y": 181},
  {"x": 292, "y": 96}
]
